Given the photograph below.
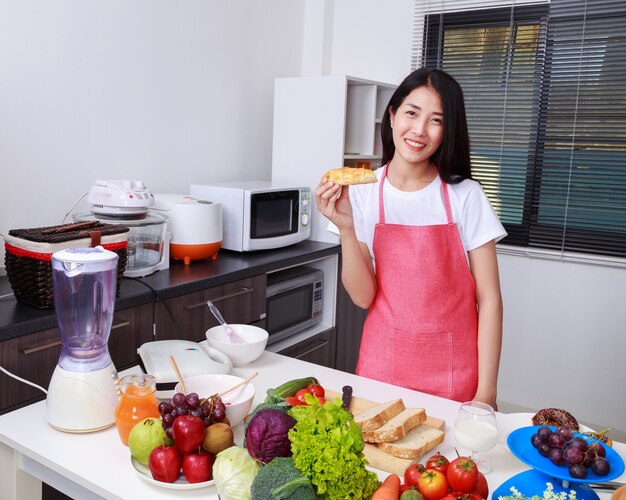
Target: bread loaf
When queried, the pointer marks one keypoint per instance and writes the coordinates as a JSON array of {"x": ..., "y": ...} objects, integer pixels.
[
  {"x": 397, "y": 427},
  {"x": 378, "y": 415},
  {"x": 417, "y": 441},
  {"x": 351, "y": 175}
]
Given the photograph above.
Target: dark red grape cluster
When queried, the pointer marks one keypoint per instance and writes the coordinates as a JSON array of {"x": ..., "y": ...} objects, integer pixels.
[
  {"x": 210, "y": 410},
  {"x": 562, "y": 447}
]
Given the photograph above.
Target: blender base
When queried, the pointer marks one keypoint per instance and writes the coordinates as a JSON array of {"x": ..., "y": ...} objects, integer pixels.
[{"x": 82, "y": 401}]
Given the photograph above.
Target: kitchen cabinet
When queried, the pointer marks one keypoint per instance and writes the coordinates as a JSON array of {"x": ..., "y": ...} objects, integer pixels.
[
  {"x": 338, "y": 123},
  {"x": 35, "y": 356},
  {"x": 188, "y": 317},
  {"x": 319, "y": 349}
]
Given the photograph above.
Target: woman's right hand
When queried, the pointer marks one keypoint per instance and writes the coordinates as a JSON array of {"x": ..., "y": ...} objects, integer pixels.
[{"x": 334, "y": 204}]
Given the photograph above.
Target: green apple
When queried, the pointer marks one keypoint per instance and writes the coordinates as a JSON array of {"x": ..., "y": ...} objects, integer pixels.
[{"x": 146, "y": 435}]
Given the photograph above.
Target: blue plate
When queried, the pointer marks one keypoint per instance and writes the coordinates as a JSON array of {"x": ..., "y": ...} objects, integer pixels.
[
  {"x": 520, "y": 445},
  {"x": 533, "y": 482}
]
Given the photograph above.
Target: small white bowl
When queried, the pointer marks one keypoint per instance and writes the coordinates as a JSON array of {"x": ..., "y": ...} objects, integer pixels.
[
  {"x": 239, "y": 354},
  {"x": 238, "y": 401}
]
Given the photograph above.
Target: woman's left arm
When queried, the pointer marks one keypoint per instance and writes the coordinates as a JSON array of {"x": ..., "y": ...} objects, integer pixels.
[{"x": 484, "y": 266}]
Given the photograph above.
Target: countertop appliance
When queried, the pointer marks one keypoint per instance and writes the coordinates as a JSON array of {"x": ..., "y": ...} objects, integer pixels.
[
  {"x": 294, "y": 302},
  {"x": 260, "y": 215},
  {"x": 82, "y": 395},
  {"x": 127, "y": 202},
  {"x": 195, "y": 225}
]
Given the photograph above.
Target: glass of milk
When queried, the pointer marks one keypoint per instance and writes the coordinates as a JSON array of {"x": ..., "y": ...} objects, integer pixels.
[{"x": 476, "y": 430}]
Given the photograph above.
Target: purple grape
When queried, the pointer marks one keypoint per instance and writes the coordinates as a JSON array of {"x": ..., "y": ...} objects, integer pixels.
[
  {"x": 196, "y": 413},
  {"x": 193, "y": 401},
  {"x": 168, "y": 432},
  {"x": 535, "y": 440},
  {"x": 544, "y": 433},
  {"x": 588, "y": 459},
  {"x": 600, "y": 466},
  {"x": 182, "y": 410},
  {"x": 178, "y": 399},
  {"x": 566, "y": 432},
  {"x": 164, "y": 408},
  {"x": 597, "y": 450},
  {"x": 219, "y": 414},
  {"x": 579, "y": 443},
  {"x": 207, "y": 421},
  {"x": 168, "y": 420},
  {"x": 556, "y": 440},
  {"x": 206, "y": 409},
  {"x": 573, "y": 455},
  {"x": 579, "y": 471},
  {"x": 556, "y": 456}
]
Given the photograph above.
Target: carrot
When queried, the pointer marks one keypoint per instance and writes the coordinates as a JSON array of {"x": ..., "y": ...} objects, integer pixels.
[{"x": 389, "y": 489}]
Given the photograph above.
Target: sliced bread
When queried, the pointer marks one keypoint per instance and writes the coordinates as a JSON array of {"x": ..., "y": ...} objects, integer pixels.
[
  {"x": 396, "y": 427},
  {"x": 417, "y": 441},
  {"x": 378, "y": 415}
]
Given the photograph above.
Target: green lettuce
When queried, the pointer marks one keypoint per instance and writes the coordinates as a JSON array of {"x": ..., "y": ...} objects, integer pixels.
[{"x": 327, "y": 446}]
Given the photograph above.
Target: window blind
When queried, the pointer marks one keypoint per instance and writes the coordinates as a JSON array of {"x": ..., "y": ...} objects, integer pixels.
[{"x": 545, "y": 90}]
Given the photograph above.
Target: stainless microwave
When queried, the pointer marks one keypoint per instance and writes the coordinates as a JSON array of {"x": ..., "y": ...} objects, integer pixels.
[
  {"x": 294, "y": 301},
  {"x": 260, "y": 215}
]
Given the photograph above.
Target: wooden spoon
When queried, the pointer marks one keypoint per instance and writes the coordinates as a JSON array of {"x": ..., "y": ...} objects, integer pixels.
[
  {"x": 177, "y": 373},
  {"x": 244, "y": 381}
]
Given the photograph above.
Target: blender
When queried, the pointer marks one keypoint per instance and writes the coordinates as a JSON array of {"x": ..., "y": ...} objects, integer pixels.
[{"x": 82, "y": 395}]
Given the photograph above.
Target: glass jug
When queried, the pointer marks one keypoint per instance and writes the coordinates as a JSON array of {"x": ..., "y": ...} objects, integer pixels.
[{"x": 137, "y": 401}]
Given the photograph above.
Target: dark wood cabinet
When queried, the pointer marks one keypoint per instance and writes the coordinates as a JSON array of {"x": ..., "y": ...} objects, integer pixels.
[
  {"x": 319, "y": 349},
  {"x": 349, "y": 324},
  {"x": 188, "y": 317},
  {"x": 34, "y": 357}
]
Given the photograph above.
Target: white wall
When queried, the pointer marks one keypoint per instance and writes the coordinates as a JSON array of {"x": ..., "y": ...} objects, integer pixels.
[{"x": 172, "y": 93}]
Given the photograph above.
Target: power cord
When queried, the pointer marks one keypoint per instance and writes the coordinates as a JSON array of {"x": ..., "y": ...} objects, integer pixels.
[
  {"x": 12, "y": 375},
  {"x": 159, "y": 299}
]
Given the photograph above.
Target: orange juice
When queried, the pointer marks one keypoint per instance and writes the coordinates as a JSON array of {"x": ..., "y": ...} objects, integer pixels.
[{"x": 137, "y": 401}]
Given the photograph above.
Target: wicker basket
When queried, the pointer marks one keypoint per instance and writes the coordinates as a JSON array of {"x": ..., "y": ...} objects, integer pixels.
[{"x": 29, "y": 252}]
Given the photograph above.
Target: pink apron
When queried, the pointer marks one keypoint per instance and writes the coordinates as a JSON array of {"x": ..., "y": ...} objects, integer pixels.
[{"x": 421, "y": 330}]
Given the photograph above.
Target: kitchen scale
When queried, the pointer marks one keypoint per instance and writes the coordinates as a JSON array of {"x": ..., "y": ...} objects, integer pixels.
[{"x": 192, "y": 358}]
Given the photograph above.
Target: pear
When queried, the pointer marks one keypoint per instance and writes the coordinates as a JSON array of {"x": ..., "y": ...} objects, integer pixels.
[{"x": 146, "y": 435}]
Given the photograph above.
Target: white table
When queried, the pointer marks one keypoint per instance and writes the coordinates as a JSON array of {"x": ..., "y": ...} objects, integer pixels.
[{"x": 97, "y": 465}]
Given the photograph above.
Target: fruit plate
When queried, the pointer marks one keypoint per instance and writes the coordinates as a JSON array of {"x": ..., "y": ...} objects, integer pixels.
[
  {"x": 520, "y": 445},
  {"x": 180, "y": 484},
  {"x": 533, "y": 482}
]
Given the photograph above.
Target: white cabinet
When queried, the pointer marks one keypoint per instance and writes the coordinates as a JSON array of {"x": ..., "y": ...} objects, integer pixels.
[{"x": 322, "y": 123}]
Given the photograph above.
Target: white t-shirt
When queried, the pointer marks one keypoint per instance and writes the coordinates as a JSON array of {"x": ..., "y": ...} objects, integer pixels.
[{"x": 471, "y": 210}]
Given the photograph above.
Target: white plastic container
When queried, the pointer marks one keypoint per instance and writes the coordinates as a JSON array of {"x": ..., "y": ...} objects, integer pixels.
[{"x": 196, "y": 226}]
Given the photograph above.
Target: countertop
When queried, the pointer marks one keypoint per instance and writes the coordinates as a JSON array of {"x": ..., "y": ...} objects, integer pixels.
[
  {"x": 17, "y": 319},
  {"x": 97, "y": 465}
]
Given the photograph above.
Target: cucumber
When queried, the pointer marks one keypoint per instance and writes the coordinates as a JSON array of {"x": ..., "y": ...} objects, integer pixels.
[{"x": 290, "y": 388}]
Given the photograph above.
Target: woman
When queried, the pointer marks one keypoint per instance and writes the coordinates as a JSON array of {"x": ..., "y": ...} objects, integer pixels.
[{"x": 418, "y": 250}]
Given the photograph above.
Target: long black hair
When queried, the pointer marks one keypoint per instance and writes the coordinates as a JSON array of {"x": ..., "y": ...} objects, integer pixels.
[{"x": 452, "y": 159}]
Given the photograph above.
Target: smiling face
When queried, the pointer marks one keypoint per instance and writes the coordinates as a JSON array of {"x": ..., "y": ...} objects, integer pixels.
[{"x": 417, "y": 127}]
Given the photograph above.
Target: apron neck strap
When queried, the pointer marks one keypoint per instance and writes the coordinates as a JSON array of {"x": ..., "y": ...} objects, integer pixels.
[{"x": 381, "y": 206}]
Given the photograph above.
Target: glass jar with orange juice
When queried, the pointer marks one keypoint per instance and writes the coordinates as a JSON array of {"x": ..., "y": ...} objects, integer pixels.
[{"x": 137, "y": 401}]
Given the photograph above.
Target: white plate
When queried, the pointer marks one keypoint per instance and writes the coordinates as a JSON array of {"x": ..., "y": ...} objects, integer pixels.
[{"x": 180, "y": 484}]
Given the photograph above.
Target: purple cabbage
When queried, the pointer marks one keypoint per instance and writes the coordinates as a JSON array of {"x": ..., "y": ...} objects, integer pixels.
[{"x": 267, "y": 435}]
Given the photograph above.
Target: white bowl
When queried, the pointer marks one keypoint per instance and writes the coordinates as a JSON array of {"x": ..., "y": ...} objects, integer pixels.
[
  {"x": 238, "y": 401},
  {"x": 239, "y": 354}
]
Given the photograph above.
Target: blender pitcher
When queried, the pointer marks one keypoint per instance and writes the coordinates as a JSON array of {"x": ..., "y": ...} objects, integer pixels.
[{"x": 82, "y": 395}]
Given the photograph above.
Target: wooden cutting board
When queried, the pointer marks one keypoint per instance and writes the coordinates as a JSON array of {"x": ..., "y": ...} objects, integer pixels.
[{"x": 376, "y": 457}]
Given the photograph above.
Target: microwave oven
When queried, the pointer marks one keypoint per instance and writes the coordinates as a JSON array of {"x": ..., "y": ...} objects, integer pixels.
[
  {"x": 294, "y": 301},
  {"x": 259, "y": 215}
]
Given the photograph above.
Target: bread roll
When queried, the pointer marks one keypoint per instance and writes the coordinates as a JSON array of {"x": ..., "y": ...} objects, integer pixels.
[{"x": 351, "y": 175}]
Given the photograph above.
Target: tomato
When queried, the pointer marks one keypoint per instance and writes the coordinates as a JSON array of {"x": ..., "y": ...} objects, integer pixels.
[
  {"x": 438, "y": 462},
  {"x": 300, "y": 395},
  {"x": 481, "y": 487},
  {"x": 455, "y": 495},
  {"x": 322, "y": 401},
  {"x": 462, "y": 474},
  {"x": 432, "y": 484},
  {"x": 413, "y": 473},
  {"x": 316, "y": 390},
  {"x": 293, "y": 401}
]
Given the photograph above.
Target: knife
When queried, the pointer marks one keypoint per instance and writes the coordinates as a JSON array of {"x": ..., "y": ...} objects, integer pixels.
[{"x": 608, "y": 485}]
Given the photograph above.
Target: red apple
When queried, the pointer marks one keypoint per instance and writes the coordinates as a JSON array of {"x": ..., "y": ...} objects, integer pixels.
[
  {"x": 198, "y": 466},
  {"x": 165, "y": 463},
  {"x": 188, "y": 433}
]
